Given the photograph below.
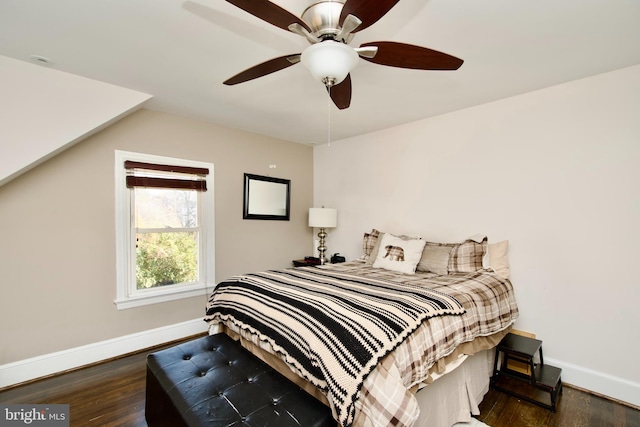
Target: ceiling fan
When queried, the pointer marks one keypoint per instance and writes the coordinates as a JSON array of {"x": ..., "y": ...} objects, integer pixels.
[{"x": 329, "y": 25}]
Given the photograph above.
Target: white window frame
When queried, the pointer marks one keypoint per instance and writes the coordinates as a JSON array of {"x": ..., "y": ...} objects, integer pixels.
[{"x": 127, "y": 294}]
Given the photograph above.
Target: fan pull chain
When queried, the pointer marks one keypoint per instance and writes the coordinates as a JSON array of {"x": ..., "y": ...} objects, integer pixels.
[{"x": 329, "y": 118}]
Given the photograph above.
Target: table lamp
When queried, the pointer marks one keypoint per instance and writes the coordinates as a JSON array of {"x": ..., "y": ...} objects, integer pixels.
[{"x": 323, "y": 218}]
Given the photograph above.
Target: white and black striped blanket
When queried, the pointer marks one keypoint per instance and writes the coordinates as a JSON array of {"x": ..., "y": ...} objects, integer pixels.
[{"x": 332, "y": 327}]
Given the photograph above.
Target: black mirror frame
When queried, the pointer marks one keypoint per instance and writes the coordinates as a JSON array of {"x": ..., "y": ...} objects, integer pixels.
[{"x": 246, "y": 215}]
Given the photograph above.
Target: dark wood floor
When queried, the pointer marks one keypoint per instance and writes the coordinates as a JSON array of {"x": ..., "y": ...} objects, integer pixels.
[
  {"x": 575, "y": 408},
  {"x": 113, "y": 394}
]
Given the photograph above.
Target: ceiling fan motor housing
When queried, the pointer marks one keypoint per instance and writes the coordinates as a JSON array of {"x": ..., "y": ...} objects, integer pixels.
[{"x": 323, "y": 18}]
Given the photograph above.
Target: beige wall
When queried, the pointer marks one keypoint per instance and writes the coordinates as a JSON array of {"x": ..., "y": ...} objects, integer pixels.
[
  {"x": 57, "y": 231},
  {"x": 554, "y": 171}
]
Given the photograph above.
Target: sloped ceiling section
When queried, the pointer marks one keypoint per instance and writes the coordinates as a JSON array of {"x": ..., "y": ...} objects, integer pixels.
[{"x": 45, "y": 111}]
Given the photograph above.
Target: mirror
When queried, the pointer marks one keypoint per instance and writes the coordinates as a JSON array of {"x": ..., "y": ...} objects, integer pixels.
[{"x": 266, "y": 197}]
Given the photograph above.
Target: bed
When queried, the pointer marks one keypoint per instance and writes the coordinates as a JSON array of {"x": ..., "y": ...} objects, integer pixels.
[{"x": 372, "y": 342}]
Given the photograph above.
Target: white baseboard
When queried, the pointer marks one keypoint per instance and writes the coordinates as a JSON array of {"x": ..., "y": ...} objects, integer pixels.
[
  {"x": 598, "y": 382},
  {"x": 47, "y": 364}
]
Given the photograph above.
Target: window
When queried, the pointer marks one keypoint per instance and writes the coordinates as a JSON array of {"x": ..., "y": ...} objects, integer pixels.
[{"x": 164, "y": 229}]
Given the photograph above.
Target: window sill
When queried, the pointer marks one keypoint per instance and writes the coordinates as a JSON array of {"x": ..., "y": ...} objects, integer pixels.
[{"x": 154, "y": 296}]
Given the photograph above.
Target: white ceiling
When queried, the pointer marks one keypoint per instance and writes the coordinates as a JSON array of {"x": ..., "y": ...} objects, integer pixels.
[
  {"x": 182, "y": 51},
  {"x": 44, "y": 111}
]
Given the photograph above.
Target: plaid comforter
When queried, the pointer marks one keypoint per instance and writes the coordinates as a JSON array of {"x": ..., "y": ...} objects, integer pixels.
[{"x": 360, "y": 393}]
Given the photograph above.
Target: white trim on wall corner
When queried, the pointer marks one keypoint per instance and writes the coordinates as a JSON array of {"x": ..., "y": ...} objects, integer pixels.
[
  {"x": 47, "y": 364},
  {"x": 598, "y": 382}
]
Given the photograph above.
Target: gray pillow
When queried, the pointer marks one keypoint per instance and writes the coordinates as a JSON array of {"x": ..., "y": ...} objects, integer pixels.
[{"x": 435, "y": 259}]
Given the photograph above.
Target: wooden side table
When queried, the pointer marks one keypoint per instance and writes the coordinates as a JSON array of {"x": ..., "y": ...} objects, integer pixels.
[{"x": 542, "y": 376}]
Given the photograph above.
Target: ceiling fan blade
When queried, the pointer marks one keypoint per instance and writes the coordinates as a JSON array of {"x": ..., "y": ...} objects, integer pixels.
[
  {"x": 368, "y": 11},
  {"x": 404, "y": 55},
  {"x": 270, "y": 13},
  {"x": 263, "y": 69},
  {"x": 341, "y": 93}
]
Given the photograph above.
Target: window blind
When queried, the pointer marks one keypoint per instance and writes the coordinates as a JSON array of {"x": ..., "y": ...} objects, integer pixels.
[{"x": 141, "y": 174}]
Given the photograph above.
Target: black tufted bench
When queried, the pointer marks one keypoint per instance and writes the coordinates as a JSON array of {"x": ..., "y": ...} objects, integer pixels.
[{"x": 213, "y": 381}]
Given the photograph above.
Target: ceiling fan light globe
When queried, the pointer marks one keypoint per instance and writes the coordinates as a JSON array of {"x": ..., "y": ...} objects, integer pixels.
[{"x": 329, "y": 60}]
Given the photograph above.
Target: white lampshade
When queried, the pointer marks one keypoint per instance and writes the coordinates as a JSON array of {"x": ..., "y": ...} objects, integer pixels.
[
  {"x": 329, "y": 60},
  {"x": 323, "y": 217}
]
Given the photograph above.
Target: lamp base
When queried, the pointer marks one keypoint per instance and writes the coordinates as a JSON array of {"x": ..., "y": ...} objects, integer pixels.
[{"x": 322, "y": 248}]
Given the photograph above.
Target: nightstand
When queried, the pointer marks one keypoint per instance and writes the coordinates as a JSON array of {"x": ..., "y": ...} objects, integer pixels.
[{"x": 543, "y": 377}]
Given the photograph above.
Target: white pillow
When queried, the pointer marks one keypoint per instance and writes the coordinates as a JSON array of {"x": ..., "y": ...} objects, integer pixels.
[
  {"x": 497, "y": 258},
  {"x": 397, "y": 254}
]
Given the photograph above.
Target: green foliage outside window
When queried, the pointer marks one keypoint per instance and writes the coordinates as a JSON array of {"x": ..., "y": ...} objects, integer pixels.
[{"x": 166, "y": 259}]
